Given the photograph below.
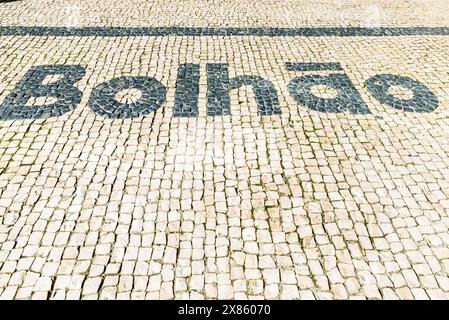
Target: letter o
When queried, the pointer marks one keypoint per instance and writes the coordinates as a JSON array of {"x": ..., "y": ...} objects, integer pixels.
[
  {"x": 103, "y": 102},
  {"x": 424, "y": 100}
]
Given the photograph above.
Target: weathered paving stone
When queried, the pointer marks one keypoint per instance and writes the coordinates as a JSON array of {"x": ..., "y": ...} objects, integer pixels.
[{"x": 234, "y": 150}]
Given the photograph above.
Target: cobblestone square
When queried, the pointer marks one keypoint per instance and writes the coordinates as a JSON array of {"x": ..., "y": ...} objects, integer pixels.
[{"x": 224, "y": 149}]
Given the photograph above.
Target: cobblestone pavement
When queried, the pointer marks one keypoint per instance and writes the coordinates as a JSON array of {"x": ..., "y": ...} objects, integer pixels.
[{"x": 224, "y": 149}]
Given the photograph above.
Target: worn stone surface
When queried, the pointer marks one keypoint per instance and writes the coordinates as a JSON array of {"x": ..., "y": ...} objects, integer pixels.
[{"x": 224, "y": 163}]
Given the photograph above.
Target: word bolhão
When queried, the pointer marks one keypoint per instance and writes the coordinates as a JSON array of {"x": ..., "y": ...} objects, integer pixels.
[{"x": 153, "y": 93}]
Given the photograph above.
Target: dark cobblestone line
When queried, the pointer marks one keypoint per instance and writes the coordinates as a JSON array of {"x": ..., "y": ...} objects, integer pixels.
[
  {"x": 312, "y": 66},
  {"x": 204, "y": 31}
]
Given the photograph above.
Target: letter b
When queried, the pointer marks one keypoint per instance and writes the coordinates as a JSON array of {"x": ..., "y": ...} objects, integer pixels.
[{"x": 32, "y": 86}]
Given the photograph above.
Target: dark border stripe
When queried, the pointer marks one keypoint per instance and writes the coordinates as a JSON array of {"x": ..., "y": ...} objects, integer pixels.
[
  {"x": 312, "y": 66},
  {"x": 192, "y": 31}
]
